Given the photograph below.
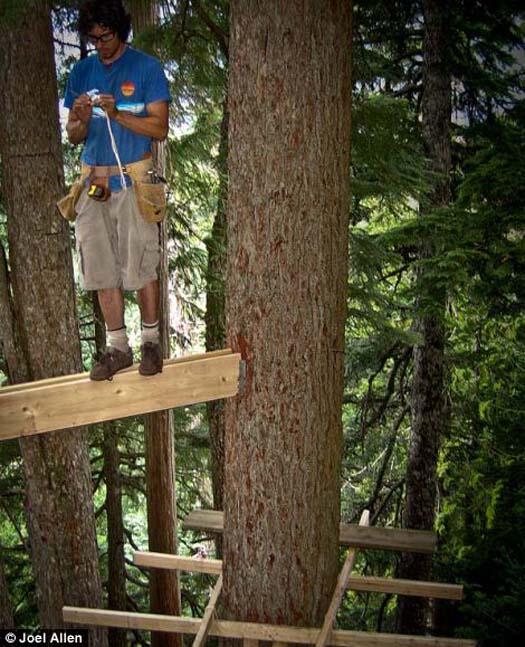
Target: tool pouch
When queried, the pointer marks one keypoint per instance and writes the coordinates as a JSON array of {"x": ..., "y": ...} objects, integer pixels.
[
  {"x": 149, "y": 190},
  {"x": 151, "y": 199},
  {"x": 66, "y": 205}
]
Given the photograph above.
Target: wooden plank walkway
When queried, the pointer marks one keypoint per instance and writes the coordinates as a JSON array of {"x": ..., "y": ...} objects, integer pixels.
[{"x": 75, "y": 400}]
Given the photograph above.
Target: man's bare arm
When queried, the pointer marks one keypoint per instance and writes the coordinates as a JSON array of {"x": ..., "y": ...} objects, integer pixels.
[{"x": 154, "y": 125}]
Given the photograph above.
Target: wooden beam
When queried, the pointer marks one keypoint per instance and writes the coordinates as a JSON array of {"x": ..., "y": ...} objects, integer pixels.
[
  {"x": 177, "y": 562},
  {"x": 405, "y": 587},
  {"x": 75, "y": 400},
  {"x": 355, "y": 582},
  {"x": 365, "y": 583},
  {"x": 209, "y": 612},
  {"x": 76, "y": 377},
  {"x": 340, "y": 588},
  {"x": 250, "y": 631},
  {"x": 397, "y": 539}
]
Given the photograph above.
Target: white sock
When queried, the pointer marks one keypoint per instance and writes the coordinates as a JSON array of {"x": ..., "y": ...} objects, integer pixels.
[
  {"x": 150, "y": 332},
  {"x": 118, "y": 339}
]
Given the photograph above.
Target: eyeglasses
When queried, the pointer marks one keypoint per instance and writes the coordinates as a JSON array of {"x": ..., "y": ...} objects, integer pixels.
[{"x": 104, "y": 38}]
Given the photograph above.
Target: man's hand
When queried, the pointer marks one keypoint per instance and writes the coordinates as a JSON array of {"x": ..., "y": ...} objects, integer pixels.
[
  {"x": 107, "y": 103},
  {"x": 82, "y": 109},
  {"x": 78, "y": 120}
]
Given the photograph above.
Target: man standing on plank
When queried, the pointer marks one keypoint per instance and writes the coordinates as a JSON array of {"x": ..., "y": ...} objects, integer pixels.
[{"x": 118, "y": 100}]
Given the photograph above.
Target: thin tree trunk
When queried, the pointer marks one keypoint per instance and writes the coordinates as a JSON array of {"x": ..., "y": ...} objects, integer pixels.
[
  {"x": 58, "y": 480},
  {"x": 215, "y": 317},
  {"x": 428, "y": 389},
  {"x": 288, "y": 207},
  {"x": 6, "y": 610},
  {"x": 159, "y": 432},
  {"x": 116, "y": 562},
  {"x": 114, "y": 517}
]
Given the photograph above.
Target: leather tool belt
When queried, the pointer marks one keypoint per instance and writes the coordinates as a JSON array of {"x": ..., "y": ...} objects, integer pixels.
[{"x": 150, "y": 193}]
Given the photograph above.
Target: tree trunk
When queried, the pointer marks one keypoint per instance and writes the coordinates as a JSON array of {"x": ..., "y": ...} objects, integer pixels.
[
  {"x": 428, "y": 389},
  {"x": 115, "y": 526},
  {"x": 58, "y": 479},
  {"x": 159, "y": 433},
  {"x": 288, "y": 207},
  {"x": 15, "y": 361},
  {"x": 116, "y": 562},
  {"x": 215, "y": 317},
  {"x": 6, "y": 611}
]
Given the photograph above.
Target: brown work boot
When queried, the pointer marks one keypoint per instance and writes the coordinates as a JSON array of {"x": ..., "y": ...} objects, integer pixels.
[
  {"x": 112, "y": 360},
  {"x": 151, "y": 359}
]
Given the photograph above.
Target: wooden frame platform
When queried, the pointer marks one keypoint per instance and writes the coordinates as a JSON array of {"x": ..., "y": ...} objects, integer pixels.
[
  {"x": 75, "y": 400},
  {"x": 373, "y": 537},
  {"x": 253, "y": 633},
  {"x": 250, "y": 631}
]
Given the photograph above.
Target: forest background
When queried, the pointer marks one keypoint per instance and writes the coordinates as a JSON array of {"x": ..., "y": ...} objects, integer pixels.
[{"x": 473, "y": 281}]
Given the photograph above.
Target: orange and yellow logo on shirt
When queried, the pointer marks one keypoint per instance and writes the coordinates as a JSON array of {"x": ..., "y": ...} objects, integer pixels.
[{"x": 127, "y": 88}]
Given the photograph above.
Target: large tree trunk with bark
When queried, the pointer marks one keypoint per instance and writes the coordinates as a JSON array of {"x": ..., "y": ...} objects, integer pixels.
[
  {"x": 215, "y": 317},
  {"x": 288, "y": 208},
  {"x": 428, "y": 388},
  {"x": 58, "y": 478},
  {"x": 159, "y": 432}
]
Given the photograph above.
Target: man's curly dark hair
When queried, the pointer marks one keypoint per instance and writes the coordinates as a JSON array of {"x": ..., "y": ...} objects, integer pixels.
[{"x": 109, "y": 13}]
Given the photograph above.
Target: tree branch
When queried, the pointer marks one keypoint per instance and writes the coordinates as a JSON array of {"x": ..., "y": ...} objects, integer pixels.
[
  {"x": 221, "y": 36},
  {"x": 386, "y": 459},
  {"x": 401, "y": 360}
]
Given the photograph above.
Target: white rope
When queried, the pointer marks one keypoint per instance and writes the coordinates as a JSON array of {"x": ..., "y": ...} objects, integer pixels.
[
  {"x": 94, "y": 95},
  {"x": 115, "y": 151}
]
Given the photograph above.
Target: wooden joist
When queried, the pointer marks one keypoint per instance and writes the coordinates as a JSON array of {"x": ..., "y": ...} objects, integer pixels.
[
  {"x": 75, "y": 400},
  {"x": 177, "y": 562},
  {"x": 415, "y": 588},
  {"x": 373, "y": 537},
  {"x": 209, "y": 613},
  {"x": 324, "y": 635},
  {"x": 363, "y": 583},
  {"x": 250, "y": 631}
]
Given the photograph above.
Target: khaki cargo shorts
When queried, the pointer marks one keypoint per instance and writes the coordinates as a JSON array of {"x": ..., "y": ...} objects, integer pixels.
[{"x": 116, "y": 247}]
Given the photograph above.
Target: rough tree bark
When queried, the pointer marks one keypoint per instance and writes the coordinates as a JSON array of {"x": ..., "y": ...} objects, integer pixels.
[
  {"x": 428, "y": 389},
  {"x": 15, "y": 361},
  {"x": 159, "y": 433},
  {"x": 58, "y": 478},
  {"x": 288, "y": 208},
  {"x": 215, "y": 317}
]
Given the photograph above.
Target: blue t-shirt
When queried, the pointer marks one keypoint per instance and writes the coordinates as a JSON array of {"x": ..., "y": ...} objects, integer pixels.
[{"x": 134, "y": 79}]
